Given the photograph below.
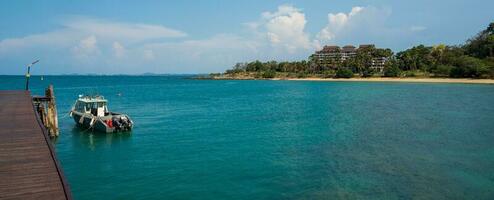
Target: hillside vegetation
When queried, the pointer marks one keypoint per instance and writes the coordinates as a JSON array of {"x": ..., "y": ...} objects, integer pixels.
[{"x": 474, "y": 59}]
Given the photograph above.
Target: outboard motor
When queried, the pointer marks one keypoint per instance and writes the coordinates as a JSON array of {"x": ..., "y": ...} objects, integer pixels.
[
  {"x": 126, "y": 123},
  {"x": 122, "y": 123},
  {"x": 117, "y": 123}
]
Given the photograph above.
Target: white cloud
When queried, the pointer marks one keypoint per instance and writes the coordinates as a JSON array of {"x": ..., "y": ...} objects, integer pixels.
[
  {"x": 87, "y": 47},
  {"x": 133, "y": 32},
  {"x": 337, "y": 22},
  {"x": 118, "y": 50},
  {"x": 58, "y": 38},
  {"x": 361, "y": 25},
  {"x": 285, "y": 28},
  {"x": 79, "y": 28}
]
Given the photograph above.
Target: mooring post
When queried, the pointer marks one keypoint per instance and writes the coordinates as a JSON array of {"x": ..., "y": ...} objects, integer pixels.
[
  {"x": 42, "y": 113},
  {"x": 52, "y": 116}
]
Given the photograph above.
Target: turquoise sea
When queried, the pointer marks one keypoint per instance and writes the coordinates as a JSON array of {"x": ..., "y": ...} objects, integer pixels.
[{"x": 203, "y": 139}]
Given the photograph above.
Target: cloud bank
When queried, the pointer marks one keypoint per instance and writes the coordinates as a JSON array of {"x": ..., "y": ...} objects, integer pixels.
[
  {"x": 286, "y": 28},
  {"x": 91, "y": 45}
]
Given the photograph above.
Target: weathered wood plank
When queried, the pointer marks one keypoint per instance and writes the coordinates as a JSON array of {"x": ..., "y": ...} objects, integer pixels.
[{"x": 28, "y": 166}]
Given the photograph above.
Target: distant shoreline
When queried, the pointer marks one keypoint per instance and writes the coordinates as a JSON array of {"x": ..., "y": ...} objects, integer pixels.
[
  {"x": 406, "y": 80},
  {"x": 374, "y": 79}
]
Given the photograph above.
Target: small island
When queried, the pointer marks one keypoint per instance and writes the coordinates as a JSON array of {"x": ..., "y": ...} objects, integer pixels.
[{"x": 472, "y": 62}]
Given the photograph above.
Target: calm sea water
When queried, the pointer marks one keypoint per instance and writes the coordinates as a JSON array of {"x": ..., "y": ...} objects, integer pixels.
[{"x": 199, "y": 139}]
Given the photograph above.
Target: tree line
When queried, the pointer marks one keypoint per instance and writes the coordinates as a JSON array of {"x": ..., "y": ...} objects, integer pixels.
[{"x": 474, "y": 59}]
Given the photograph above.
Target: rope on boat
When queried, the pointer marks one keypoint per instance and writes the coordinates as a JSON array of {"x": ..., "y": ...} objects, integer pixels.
[{"x": 66, "y": 115}]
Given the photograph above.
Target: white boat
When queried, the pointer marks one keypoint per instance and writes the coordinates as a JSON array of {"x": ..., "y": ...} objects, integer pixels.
[{"x": 91, "y": 112}]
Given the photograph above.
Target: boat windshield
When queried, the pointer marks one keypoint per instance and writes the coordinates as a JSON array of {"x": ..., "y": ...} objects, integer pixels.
[
  {"x": 80, "y": 106},
  {"x": 95, "y": 108}
]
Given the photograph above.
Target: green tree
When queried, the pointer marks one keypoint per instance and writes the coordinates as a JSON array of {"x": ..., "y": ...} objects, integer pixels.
[
  {"x": 482, "y": 45},
  {"x": 269, "y": 74},
  {"x": 442, "y": 70},
  {"x": 328, "y": 73},
  {"x": 344, "y": 73},
  {"x": 368, "y": 72},
  {"x": 470, "y": 67},
  {"x": 416, "y": 58},
  {"x": 437, "y": 53},
  {"x": 391, "y": 69},
  {"x": 363, "y": 59},
  {"x": 382, "y": 53},
  {"x": 254, "y": 66}
]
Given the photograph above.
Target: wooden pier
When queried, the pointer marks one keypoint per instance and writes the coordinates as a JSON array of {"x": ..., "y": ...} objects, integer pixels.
[{"x": 29, "y": 168}]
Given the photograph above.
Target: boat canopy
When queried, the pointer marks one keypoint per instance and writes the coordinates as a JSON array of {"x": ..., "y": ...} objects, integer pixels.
[
  {"x": 95, "y": 105},
  {"x": 94, "y": 99}
]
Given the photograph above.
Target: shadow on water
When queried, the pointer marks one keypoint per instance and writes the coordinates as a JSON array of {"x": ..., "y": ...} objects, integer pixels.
[{"x": 94, "y": 140}]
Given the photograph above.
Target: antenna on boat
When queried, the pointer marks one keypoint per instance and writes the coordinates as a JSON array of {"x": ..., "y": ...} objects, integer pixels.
[{"x": 28, "y": 73}]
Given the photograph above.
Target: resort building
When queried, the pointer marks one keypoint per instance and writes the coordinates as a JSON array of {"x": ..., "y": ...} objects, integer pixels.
[
  {"x": 331, "y": 57},
  {"x": 378, "y": 64},
  {"x": 328, "y": 57},
  {"x": 347, "y": 52}
]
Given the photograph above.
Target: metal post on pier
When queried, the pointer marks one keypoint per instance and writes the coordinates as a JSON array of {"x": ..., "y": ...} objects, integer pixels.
[{"x": 29, "y": 73}]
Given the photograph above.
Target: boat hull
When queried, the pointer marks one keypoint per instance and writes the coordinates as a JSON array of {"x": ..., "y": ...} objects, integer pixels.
[{"x": 96, "y": 124}]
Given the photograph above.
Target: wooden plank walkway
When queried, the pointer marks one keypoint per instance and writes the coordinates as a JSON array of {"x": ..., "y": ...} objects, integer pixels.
[{"x": 28, "y": 165}]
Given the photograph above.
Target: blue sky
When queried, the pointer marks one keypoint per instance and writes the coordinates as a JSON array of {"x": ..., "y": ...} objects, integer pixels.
[{"x": 123, "y": 37}]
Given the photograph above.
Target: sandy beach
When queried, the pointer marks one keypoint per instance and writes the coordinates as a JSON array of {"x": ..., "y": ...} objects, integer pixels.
[
  {"x": 410, "y": 80},
  {"x": 376, "y": 79}
]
